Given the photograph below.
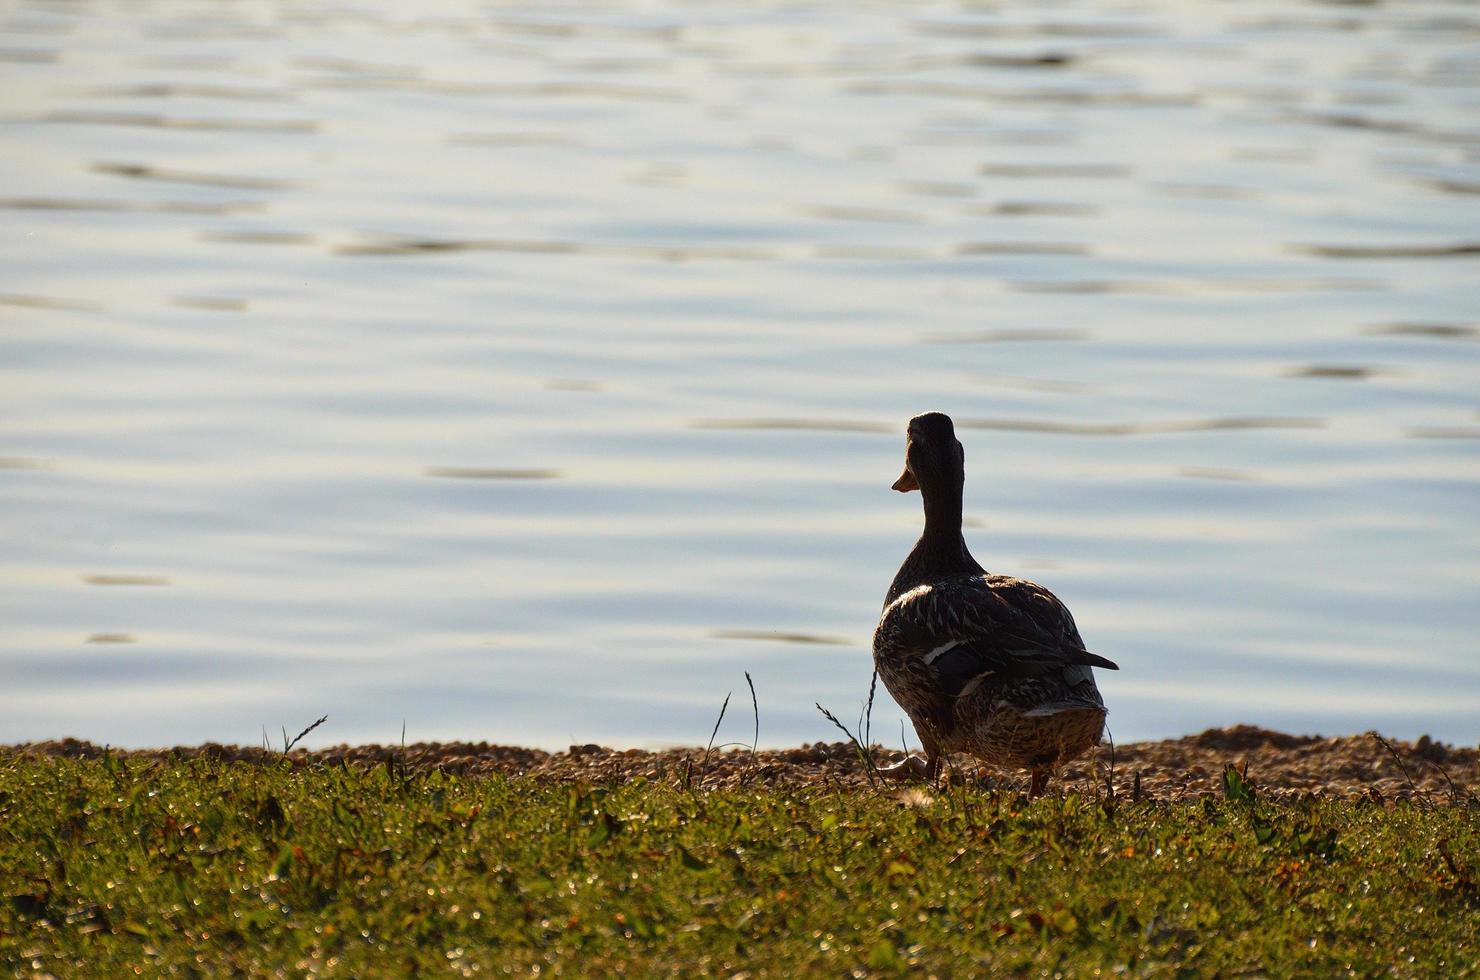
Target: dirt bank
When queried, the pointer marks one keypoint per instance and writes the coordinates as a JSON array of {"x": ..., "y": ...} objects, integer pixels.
[{"x": 1279, "y": 765}]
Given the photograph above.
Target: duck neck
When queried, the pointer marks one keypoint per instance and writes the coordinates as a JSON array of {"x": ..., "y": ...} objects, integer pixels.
[
  {"x": 943, "y": 515},
  {"x": 941, "y": 551}
]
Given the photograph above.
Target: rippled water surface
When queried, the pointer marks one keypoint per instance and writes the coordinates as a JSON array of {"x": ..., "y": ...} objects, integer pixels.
[{"x": 530, "y": 372}]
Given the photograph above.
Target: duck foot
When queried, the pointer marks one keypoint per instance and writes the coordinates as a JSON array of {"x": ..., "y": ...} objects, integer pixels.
[{"x": 911, "y": 768}]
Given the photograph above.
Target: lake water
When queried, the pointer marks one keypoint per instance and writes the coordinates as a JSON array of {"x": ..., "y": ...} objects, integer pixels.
[{"x": 531, "y": 372}]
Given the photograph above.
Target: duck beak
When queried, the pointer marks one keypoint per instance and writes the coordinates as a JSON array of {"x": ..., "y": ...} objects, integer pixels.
[{"x": 906, "y": 482}]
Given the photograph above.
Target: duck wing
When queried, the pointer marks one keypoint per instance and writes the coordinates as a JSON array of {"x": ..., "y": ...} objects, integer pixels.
[{"x": 975, "y": 627}]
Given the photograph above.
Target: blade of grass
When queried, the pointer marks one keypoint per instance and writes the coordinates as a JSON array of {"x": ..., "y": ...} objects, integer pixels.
[
  {"x": 1398, "y": 759},
  {"x": 869, "y": 768},
  {"x": 287, "y": 745},
  {"x": 755, "y": 708},
  {"x": 704, "y": 765}
]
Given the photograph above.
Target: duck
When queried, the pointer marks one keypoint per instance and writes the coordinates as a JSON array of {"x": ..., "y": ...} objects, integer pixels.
[{"x": 986, "y": 665}]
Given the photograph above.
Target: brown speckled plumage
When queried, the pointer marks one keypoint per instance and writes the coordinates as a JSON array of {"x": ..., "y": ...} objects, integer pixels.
[{"x": 984, "y": 664}]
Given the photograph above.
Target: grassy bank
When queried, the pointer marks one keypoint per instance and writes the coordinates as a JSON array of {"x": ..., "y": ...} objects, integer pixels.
[{"x": 204, "y": 867}]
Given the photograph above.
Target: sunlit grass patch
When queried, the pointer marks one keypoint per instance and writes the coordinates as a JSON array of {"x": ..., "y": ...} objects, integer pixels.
[{"x": 203, "y": 867}]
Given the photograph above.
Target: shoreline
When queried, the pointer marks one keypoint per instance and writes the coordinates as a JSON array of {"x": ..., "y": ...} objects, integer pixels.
[{"x": 1279, "y": 765}]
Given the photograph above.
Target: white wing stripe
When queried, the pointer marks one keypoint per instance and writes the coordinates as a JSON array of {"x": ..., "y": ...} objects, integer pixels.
[{"x": 930, "y": 657}]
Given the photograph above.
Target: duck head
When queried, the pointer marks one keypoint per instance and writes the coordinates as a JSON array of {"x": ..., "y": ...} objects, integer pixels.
[{"x": 933, "y": 457}]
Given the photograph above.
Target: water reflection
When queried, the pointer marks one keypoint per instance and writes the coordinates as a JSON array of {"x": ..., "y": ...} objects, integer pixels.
[
  {"x": 47, "y": 303},
  {"x": 1004, "y": 336},
  {"x": 218, "y": 303},
  {"x": 1055, "y": 171},
  {"x": 1138, "y": 428},
  {"x": 1348, "y": 120},
  {"x": 35, "y": 56},
  {"x": 1172, "y": 287},
  {"x": 77, "y": 117},
  {"x": 1453, "y": 186},
  {"x": 1216, "y": 473},
  {"x": 189, "y": 90},
  {"x": 96, "y": 204},
  {"x": 1060, "y": 209},
  {"x": 851, "y": 213},
  {"x": 1391, "y": 251},
  {"x": 1336, "y": 371},
  {"x": 146, "y": 172},
  {"x": 489, "y": 473},
  {"x": 1452, "y": 331},
  {"x": 509, "y": 139},
  {"x": 778, "y": 636},
  {"x": 529, "y": 373},
  {"x": 798, "y": 425},
  {"x": 258, "y": 237},
  {"x": 1444, "y": 432}
]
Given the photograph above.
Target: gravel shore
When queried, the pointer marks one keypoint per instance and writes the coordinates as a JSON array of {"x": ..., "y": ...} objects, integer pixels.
[{"x": 1279, "y": 765}]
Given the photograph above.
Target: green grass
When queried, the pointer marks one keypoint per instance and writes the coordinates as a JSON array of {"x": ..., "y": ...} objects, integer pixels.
[{"x": 207, "y": 868}]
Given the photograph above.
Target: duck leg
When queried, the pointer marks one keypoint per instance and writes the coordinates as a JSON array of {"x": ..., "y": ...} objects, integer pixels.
[{"x": 1039, "y": 783}]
